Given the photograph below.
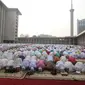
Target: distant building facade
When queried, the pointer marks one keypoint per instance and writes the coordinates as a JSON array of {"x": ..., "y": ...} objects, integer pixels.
[
  {"x": 80, "y": 26},
  {"x": 46, "y": 40},
  {"x": 8, "y": 23}
]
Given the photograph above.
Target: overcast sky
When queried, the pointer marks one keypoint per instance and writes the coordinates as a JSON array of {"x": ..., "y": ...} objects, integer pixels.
[{"x": 47, "y": 16}]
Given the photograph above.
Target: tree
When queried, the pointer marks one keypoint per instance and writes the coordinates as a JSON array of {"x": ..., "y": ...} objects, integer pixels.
[
  {"x": 26, "y": 35},
  {"x": 21, "y": 35},
  {"x": 34, "y": 36}
]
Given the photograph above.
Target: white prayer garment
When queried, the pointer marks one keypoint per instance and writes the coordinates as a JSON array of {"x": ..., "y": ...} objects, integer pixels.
[
  {"x": 17, "y": 62},
  {"x": 25, "y": 63},
  {"x": 60, "y": 65},
  {"x": 33, "y": 63},
  {"x": 69, "y": 65},
  {"x": 79, "y": 66},
  {"x": 10, "y": 63},
  {"x": 4, "y": 62}
]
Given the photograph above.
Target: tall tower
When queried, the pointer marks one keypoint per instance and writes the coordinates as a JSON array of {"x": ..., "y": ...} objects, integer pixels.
[{"x": 72, "y": 19}]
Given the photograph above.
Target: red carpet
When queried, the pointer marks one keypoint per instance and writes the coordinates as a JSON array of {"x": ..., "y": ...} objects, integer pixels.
[{"x": 38, "y": 82}]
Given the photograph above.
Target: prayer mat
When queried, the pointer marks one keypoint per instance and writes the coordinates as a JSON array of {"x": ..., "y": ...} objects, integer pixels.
[
  {"x": 18, "y": 75},
  {"x": 47, "y": 75}
]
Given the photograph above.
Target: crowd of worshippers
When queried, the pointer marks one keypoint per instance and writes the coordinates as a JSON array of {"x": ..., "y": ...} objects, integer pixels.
[{"x": 38, "y": 58}]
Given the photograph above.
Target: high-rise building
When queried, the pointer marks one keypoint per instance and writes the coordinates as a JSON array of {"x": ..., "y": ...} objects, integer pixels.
[
  {"x": 3, "y": 10},
  {"x": 11, "y": 30},
  {"x": 8, "y": 23},
  {"x": 80, "y": 26}
]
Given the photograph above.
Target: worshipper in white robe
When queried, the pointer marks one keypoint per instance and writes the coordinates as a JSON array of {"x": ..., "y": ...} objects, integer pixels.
[
  {"x": 19, "y": 53},
  {"x": 4, "y": 55},
  {"x": 60, "y": 65},
  {"x": 28, "y": 58},
  {"x": 33, "y": 62},
  {"x": 82, "y": 55},
  {"x": 79, "y": 66},
  {"x": 10, "y": 56},
  {"x": 1, "y": 53},
  {"x": 4, "y": 62},
  {"x": 83, "y": 70},
  {"x": 26, "y": 52},
  {"x": 1, "y": 64},
  {"x": 10, "y": 63},
  {"x": 38, "y": 54},
  {"x": 9, "y": 68},
  {"x": 68, "y": 65},
  {"x": 32, "y": 53},
  {"x": 17, "y": 64},
  {"x": 15, "y": 54},
  {"x": 25, "y": 64}
]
